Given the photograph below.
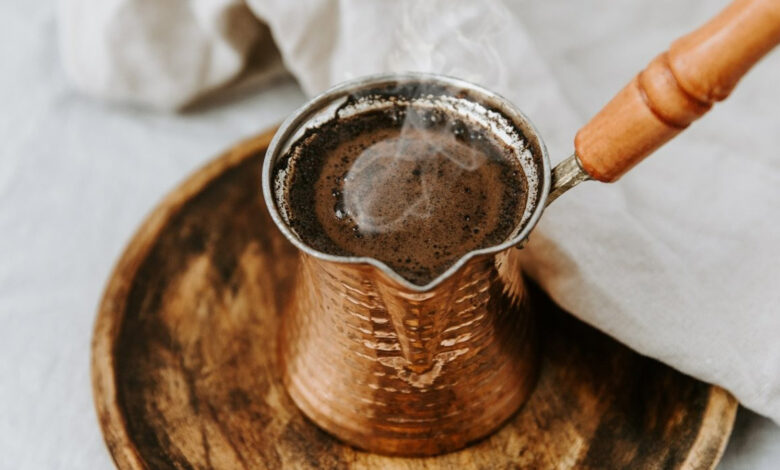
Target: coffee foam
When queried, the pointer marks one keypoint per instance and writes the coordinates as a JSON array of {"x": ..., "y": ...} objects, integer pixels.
[
  {"x": 376, "y": 209},
  {"x": 373, "y": 177},
  {"x": 494, "y": 123}
]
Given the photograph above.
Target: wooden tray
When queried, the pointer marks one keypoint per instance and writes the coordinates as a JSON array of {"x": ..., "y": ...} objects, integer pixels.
[{"x": 184, "y": 376}]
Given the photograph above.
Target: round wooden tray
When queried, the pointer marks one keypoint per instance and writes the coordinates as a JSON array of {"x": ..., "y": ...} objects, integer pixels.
[{"x": 184, "y": 376}]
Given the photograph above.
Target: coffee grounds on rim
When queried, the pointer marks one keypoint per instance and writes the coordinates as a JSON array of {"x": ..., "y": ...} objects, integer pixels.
[{"x": 414, "y": 188}]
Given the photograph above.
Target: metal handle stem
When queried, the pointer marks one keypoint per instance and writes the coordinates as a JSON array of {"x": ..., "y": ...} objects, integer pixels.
[{"x": 566, "y": 175}]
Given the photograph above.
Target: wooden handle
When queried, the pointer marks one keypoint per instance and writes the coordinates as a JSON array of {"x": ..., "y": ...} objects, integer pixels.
[{"x": 677, "y": 88}]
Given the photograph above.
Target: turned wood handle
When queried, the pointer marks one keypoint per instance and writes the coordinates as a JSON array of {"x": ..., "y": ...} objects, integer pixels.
[{"x": 677, "y": 88}]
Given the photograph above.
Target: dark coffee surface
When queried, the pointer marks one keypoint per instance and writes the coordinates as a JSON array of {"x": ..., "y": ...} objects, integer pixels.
[{"x": 416, "y": 189}]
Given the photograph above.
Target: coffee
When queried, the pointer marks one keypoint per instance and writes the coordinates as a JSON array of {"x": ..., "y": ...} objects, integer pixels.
[{"x": 416, "y": 188}]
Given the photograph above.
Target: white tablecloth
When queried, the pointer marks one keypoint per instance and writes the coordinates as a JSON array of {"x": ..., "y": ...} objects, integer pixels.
[{"x": 77, "y": 177}]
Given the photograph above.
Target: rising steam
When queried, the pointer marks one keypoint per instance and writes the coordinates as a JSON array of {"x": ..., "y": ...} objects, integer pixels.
[
  {"x": 450, "y": 37},
  {"x": 391, "y": 183}
]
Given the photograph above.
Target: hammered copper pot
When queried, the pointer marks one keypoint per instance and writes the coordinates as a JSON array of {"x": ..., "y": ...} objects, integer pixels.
[
  {"x": 399, "y": 368},
  {"x": 399, "y": 371},
  {"x": 395, "y": 367}
]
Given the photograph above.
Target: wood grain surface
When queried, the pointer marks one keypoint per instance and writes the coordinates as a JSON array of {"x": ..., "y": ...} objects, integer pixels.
[
  {"x": 678, "y": 87},
  {"x": 185, "y": 376}
]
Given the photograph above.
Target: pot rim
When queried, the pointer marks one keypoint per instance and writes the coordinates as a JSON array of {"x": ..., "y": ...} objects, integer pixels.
[{"x": 293, "y": 123}]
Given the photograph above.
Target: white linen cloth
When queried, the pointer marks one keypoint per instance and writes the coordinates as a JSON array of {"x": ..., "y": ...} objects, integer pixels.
[{"x": 680, "y": 260}]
